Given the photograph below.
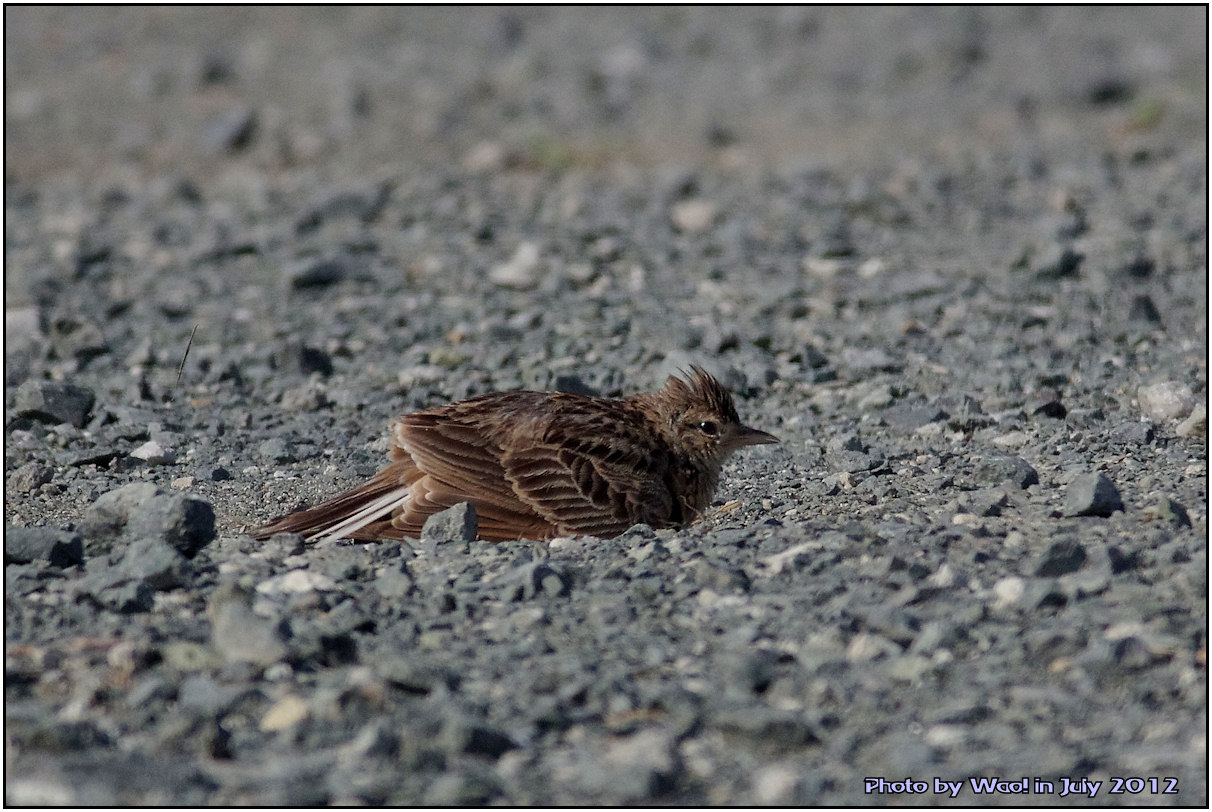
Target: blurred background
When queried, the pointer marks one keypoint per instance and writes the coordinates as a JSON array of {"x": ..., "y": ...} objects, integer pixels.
[{"x": 94, "y": 92}]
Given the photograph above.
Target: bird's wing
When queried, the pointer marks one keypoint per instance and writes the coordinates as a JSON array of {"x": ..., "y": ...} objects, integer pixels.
[
  {"x": 589, "y": 483},
  {"x": 460, "y": 459}
]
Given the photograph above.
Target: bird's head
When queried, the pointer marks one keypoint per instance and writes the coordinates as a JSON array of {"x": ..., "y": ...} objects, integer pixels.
[{"x": 703, "y": 418}]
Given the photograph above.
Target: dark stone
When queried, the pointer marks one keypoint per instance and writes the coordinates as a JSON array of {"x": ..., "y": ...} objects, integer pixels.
[
  {"x": 461, "y": 736},
  {"x": 314, "y": 360},
  {"x": 1110, "y": 90},
  {"x": 1063, "y": 264},
  {"x": 320, "y": 273},
  {"x": 1144, "y": 310},
  {"x": 1092, "y": 495},
  {"x": 1138, "y": 268},
  {"x": 995, "y": 470},
  {"x": 1122, "y": 561},
  {"x": 1063, "y": 557},
  {"x": 52, "y": 402},
  {"x": 1051, "y": 408},
  {"x": 23, "y": 545}
]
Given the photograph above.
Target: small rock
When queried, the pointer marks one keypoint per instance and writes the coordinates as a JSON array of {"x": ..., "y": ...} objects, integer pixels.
[
  {"x": 522, "y": 270},
  {"x": 21, "y": 327},
  {"x": 394, "y": 583},
  {"x": 1063, "y": 557},
  {"x": 237, "y": 633},
  {"x": 30, "y": 477},
  {"x": 51, "y": 402},
  {"x": 1166, "y": 509},
  {"x": 108, "y": 515},
  {"x": 461, "y": 736},
  {"x": 277, "y": 450},
  {"x": 775, "y": 784},
  {"x": 1009, "y": 591},
  {"x": 303, "y": 399},
  {"x": 693, "y": 216},
  {"x": 455, "y": 524},
  {"x": 200, "y": 694},
  {"x": 182, "y": 483},
  {"x": 320, "y": 273},
  {"x": 908, "y": 417},
  {"x": 996, "y": 470},
  {"x": 1196, "y": 425},
  {"x": 285, "y": 713},
  {"x": 644, "y": 764},
  {"x": 25, "y": 544},
  {"x": 153, "y": 453},
  {"x": 228, "y": 132},
  {"x": 295, "y": 582},
  {"x": 130, "y": 597},
  {"x": 186, "y": 523},
  {"x": 1051, "y": 408},
  {"x": 1133, "y": 432},
  {"x": 75, "y": 338},
  {"x": 985, "y": 502},
  {"x": 1167, "y": 400},
  {"x": 154, "y": 561},
  {"x": 1061, "y": 264},
  {"x": 1092, "y": 495},
  {"x": 1144, "y": 310}
]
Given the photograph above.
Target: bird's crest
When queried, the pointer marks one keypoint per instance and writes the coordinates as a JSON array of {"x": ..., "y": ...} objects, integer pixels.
[{"x": 697, "y": 386}]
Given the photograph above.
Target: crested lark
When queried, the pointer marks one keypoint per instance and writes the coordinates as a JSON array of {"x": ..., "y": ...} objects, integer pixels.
[{"x": 542, "y": 464}]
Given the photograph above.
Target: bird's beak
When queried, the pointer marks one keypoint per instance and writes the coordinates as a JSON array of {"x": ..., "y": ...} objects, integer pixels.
[{"x": 747, "y": 436}]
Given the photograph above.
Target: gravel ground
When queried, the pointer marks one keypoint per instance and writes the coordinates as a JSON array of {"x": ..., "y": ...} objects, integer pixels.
[{"x": 956, "y": 259}]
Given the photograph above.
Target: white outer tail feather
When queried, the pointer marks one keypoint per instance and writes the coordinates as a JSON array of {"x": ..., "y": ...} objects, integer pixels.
[{"x": 364, "y": 516}]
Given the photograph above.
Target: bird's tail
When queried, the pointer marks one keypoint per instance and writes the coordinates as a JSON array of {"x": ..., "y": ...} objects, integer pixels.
[{"x": 362, "y": 513}]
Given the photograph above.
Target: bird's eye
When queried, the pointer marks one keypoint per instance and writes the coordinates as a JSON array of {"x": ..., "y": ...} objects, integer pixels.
[{"x": 710, "y": 428}]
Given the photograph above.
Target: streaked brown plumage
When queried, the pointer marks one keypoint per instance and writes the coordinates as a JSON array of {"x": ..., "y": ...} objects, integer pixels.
[{"x": 541, "y": 464}]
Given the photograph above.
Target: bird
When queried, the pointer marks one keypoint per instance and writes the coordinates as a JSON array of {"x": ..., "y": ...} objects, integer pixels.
[{"x": 538, "y": 465}]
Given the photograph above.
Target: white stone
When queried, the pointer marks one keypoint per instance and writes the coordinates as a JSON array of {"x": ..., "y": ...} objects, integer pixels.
[{"x": 1167, "y": 400}]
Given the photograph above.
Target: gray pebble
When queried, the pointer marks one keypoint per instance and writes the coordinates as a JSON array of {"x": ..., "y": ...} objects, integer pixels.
[
  {"x": 455, "y": 524},
  {"x": 995, "y": 470},
  {"x": 30, "y": 477},
  {"x": 1133, "y": 432},
  {"x": 237, "y": 633},
  {"x": 1172, "y": 512},
  {"x": 153, "y": 560},
  {"x": 108, "y": 515},
  {"x": 1064, "y": 556},
  {"x": 230, "y": 131},
  {"x": 52, "y": 402},
  {"x": 277, "y": 450},
  {"x": 186, "y": 523},
  {"x": 59, "y": 547},
  {"x": 1092, "y": 495}
]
